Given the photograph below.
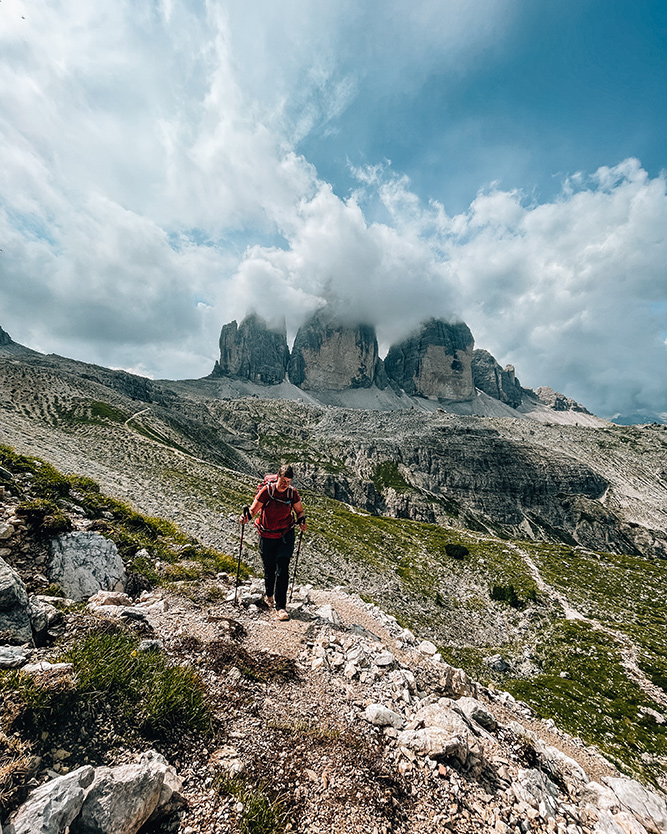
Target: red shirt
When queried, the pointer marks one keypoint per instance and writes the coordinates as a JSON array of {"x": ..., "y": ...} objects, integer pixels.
[{"x": 276, "y": 516}]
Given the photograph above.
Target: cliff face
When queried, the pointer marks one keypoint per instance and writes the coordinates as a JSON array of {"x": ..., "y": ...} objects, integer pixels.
[
  {"x": 5, "y": 338},
  {"x": 499, "y": 383},
  {"x": 435, "y": 362},
  {"x": 329, "y": 356},
  {"x": 252, "y": 351}
]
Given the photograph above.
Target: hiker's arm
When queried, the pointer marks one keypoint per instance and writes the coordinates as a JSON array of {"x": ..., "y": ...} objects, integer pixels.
[
  {"x": 300, "y": 515},
  {"x": 255, "y": 508}
]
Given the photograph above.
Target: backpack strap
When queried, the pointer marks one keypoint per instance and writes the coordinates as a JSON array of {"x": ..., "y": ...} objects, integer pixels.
[{"x": 271, "y": 492}]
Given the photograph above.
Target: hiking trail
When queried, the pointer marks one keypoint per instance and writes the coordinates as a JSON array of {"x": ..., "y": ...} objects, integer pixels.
[{"x": 629, "y": 649}]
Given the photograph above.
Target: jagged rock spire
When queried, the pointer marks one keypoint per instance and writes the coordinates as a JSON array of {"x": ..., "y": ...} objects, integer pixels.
[
  {"x": 499, "y": 383},
  {"x": 434, "y": 362},
  {"x": 252, "y": 351},
  {"x": 328, "y": 355}
]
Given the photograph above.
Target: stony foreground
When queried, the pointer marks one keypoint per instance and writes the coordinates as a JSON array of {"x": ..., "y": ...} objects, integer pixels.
[{"x": 347, "y": 721}]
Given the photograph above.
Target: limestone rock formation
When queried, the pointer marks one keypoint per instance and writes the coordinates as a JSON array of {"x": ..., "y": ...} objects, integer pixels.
[
  {"x": 559, "y": 402},
  {"x": 435, "y": 362},
  {"x": 83, "y": 563},
  {"x": 14, "y": 617},
  {"x": 116, "y": 800},
  {"x": 252, "y": 351},
  {"x": 331, "y": 356},
  {"x": 499, "y": 383}
]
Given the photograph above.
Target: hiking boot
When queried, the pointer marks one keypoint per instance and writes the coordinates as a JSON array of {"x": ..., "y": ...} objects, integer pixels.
[
  {"x": 269, "y": 602},
  {"x": 282, "y": 614}
]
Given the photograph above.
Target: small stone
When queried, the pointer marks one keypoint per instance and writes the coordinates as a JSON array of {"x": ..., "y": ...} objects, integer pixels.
[
  {"x": 426, "y": 647},
  {"x": 384, "y": 659},
  {"x": 6, "y": 531}
]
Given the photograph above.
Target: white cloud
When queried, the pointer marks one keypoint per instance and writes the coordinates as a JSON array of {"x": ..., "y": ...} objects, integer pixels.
[
  {"x": 148, "y": 157},
  {"x": 563, "y": 290}
]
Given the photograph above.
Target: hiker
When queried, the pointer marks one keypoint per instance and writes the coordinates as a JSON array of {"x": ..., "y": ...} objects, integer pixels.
[{"x": 276, "y": 504}]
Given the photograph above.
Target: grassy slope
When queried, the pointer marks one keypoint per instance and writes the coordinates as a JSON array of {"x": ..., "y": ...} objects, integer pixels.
[{"x": 403, "y": 566}]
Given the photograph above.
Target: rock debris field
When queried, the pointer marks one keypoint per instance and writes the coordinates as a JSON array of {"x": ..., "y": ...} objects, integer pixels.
[{"x": 347, "y": 722}]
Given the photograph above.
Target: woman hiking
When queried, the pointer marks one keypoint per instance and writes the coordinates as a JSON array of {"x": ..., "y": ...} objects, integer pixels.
[{"x": 275, "y": 505}]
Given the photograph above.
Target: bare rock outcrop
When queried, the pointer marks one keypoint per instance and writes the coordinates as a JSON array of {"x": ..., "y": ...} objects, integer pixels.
[
  {"x": 5, "y": 338},
  {"x": 331, "y": 356},
  {"x": 14, "y": 617},
  {"x": 252, "y": 351},
  {"x": 499, "y": 383},
  {"x": 559, "y": 402},
  {"x": 84, "y": 563},
  {"x": 435, "y": 362}
]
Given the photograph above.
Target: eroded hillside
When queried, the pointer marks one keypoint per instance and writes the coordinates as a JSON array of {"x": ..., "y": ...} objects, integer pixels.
[{"x": 419, "y": 513}]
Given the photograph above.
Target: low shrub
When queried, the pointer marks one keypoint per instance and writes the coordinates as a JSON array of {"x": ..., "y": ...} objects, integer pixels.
[
  {"x": 456, "y": 551},
  {"x": 506, "y": 593},
  {"x": 44, "y": 517}
]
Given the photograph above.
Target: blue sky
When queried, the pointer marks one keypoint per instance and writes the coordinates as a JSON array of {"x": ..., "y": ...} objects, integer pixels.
[{"x": 168, "y": 166}]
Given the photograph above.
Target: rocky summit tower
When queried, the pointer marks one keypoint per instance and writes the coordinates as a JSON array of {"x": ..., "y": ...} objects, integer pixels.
[
  {"x": 330, "y": 356},
  {"x": 434, "y": 362},
  {"x": 252, "y": 351}
]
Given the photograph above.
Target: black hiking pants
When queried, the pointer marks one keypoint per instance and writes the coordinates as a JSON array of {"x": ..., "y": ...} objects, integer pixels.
[{"x": 276, "y": 554}]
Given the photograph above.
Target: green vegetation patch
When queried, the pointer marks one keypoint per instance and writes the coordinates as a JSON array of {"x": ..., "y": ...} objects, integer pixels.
[
  {"x": 92, "y": 412},
  {"x": 622, "y": 592},
  {"x": 387, "y": 475},
  {"x": 583, "y": 687},
  {"x": 112, "y": 675},
  {"x": 44, "y": 517},
  {"x": 262, "y": 813}
]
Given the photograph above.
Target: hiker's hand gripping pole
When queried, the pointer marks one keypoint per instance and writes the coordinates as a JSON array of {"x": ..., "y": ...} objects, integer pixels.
[{"x": 245, "y": 517}]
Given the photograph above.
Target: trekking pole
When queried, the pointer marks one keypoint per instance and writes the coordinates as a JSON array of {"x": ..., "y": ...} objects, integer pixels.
[
  {"x": 246, "y": 514},
  {"x": 296, "y": 564}
]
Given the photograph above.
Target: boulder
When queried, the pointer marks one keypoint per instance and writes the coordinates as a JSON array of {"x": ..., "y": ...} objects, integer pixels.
[
  {"x": 458, "y": 682},
  {"x": 499, "y": 383},
  {"x": 331, "y": 356},
  {"x": 439, "y": 732},
  {"x": 648, "y": 807},
  {"x": 435, "y": 362},
  {"x": 121, "y": 799},
  {"x": 252, "y": 351},
  {"x": 537, "y": 790},
  {"x": 477, "y": 712},
  {"x": 13, "y": 657},
  {"x": 84, "y": 563},
  {"x": 379, "y": 715},
  {"x": 43, "y": 616},
  {"x": 54, "y": 805},
  {"x": 15, "y": 625}
]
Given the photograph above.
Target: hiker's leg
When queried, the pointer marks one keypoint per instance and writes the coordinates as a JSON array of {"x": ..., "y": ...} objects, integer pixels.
[
  {"x": 267, "y": 550},
  {"x": 283, "y": 555}
]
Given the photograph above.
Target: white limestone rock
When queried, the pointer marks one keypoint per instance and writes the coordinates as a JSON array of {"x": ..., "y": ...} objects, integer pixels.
[
  {"x": 85, "y": 563},
  {"x": 648, "y": 807},
  {"x": 381, "y": 716},
  {"x": 53, "y": 806}
]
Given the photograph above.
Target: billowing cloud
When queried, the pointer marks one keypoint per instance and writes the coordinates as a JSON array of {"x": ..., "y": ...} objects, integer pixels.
[
  {"x": 152, "y": 190},
  {"x": 572, "y": 292}
]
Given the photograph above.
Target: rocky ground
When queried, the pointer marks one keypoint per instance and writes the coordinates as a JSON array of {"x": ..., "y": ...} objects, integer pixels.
[
  {"x": 338, "y": 719},
  {"x": 320, "y": 717}
]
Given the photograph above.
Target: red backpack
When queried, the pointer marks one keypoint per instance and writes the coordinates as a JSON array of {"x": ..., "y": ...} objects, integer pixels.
[{"x": 274, "y": 508}]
